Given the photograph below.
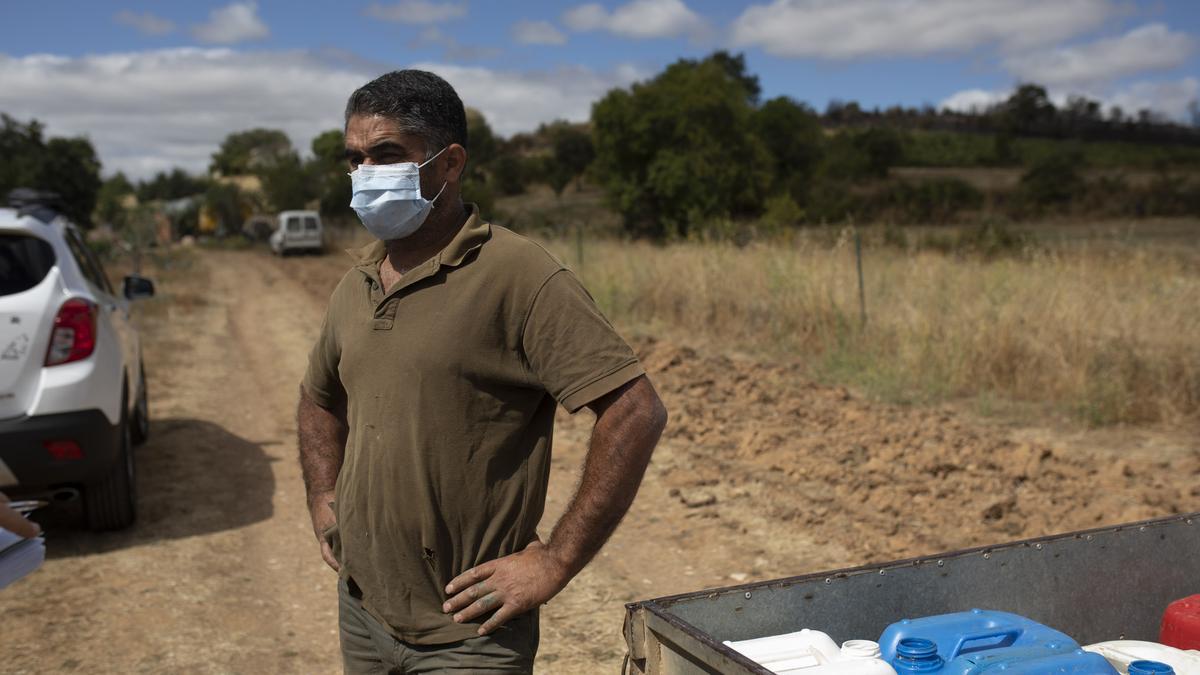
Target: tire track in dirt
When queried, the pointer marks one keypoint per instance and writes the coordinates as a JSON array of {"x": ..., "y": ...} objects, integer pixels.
[{"x": 220, "y": 573}]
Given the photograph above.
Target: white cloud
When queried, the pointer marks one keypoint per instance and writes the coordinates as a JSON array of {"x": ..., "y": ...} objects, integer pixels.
[
  {"x": 1170, "y": 98},
  {"x": 237, "y": 22},
  {"x": 519, "y": 101},
  {"x": 537, "y": 33},
  {"x": 1148, "y": 48},
  {"x": 638, "y": 19},
  {"x": 847, "y": 29},
  {"x": 452, "y": 49},
  {"x": 153, "y": 110},
  {"x": 973, "y": 100},
  {"x": 587, "y": 17},
  {"x": 146, "y": 24},
  {"x": 416, "y": 11}
]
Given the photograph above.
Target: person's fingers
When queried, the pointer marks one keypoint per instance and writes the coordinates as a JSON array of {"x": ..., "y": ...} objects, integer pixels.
[
  {"x": 471, "y": 576},
  {"x": 327, "y": 555},
  {"x": 17, "y": 524},
  {"x": 482, "y": 606},
  {"x": 467, "y": 596},
  {"x": 497, "y": 619}
]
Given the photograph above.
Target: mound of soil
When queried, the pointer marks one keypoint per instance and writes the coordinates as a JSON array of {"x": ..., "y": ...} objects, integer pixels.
[{"x": 883, "y": 481}]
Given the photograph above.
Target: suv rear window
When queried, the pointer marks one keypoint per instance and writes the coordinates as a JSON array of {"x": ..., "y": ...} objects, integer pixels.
[
  {"x": 24, "y": 262},
  {"x": 293, "y": 224},
  {"x": 310, "y": 223}
]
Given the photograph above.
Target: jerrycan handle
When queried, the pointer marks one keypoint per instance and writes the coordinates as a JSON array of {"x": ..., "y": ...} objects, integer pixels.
[{"x": 992, "y": 639}]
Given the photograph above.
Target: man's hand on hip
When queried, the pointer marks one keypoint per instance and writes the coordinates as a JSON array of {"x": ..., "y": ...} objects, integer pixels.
[
  {"x": 323, "y": 519},
  {"x": 508, "y": 586}
]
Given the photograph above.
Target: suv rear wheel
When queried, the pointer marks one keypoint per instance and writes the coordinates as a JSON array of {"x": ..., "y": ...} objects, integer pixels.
[
  {"x": 111, "y": 504},
  {"x": 140, "y": 430}
]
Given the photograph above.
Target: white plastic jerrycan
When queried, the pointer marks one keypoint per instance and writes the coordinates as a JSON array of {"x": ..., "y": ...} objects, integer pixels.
[
  {"x": 1120, "y": 653},
  {"x": 811, "y": 652}
]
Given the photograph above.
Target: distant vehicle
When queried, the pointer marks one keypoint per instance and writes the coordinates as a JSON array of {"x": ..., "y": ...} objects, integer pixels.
[
  {"x": 298, "y": 231},
  {"x": 72, "y": 387}
]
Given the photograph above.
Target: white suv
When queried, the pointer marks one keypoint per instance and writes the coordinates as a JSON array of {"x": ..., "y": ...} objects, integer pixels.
[{"x": 72, "y": 388}]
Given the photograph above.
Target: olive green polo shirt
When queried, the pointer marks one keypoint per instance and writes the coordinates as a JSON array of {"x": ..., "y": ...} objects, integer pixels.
[{"x": 451, "y": 378}]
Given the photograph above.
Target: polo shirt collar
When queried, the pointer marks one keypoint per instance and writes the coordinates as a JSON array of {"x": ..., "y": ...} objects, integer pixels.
[{"x": 470, "y": 236}]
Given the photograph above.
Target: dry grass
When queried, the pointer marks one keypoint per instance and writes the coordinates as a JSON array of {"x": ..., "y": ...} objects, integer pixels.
[{"x": 1107, "y": 334}]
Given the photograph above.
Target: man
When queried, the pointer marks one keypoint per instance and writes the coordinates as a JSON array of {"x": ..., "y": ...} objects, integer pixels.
[{"x": 426, "y": 414}]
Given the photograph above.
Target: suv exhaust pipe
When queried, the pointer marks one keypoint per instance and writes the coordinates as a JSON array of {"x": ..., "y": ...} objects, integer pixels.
[{"x": 64, "y": 495}]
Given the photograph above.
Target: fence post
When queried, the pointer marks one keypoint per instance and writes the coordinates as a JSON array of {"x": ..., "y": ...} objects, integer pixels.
[{"x": 862, "y": 296}]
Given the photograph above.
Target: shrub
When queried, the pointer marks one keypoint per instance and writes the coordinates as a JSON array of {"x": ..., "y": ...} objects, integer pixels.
[
  {"x": 935, "y": 201},
  {"x": 1054, "y": 179}
]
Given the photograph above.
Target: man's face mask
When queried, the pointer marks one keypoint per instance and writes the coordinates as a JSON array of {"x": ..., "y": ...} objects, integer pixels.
[{"x": 387, "y": 198}]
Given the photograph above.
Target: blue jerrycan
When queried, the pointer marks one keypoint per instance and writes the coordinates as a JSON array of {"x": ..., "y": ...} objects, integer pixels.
[{"x": 971, "y": 632}]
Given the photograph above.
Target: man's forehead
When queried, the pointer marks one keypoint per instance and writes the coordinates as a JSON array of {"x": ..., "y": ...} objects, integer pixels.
[{"x": 365, "y": 131}]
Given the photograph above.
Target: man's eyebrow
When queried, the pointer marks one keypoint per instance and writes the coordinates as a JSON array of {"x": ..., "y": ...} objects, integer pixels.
[{"x": 386, "y": 146}]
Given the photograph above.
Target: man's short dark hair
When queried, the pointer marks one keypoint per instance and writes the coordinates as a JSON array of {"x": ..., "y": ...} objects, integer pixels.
[{"x": 422, "y": 103}]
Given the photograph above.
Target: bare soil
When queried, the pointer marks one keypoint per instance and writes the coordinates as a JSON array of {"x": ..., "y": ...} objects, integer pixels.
[{"x": 761, "y": 474}]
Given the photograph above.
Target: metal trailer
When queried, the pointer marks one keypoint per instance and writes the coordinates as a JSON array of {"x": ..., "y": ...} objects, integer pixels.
[{"x": 1105, "y": 584}]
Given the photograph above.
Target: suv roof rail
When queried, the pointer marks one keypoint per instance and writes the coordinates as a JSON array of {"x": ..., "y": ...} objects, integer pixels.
[{"x": 41, "y": 204}]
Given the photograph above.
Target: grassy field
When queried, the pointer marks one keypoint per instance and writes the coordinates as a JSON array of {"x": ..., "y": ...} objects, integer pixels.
[{"x": 1098, "y": 324}]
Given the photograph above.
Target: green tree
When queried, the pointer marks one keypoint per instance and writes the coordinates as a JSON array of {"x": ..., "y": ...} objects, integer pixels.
[
  {"x": 734, "y": 65},
  {"x": 882, "y": 147},
  {"x": 286, "y": 182},
  {"x": 244, "y": 151},
  {"x": 678, "y": 150},
  {"x": 510, "y": 173},
  {"x": 172, "y": 185},
  {"x": 330, "y": 173},
  {"x": 72, "y": 170},
  {"x": 855, "y": 155},
  {"x": 224, "y": 201},
  {"x": 22, "y": 149},
  {"x": 792, "y": 134},
  {"x": 109, "y": 202},
  {"x": 571, "y": 152},
  {"x": 1028, "y": 109},
  {"x": 482, "y": 144},
  {"x": 1055, "y": 179},
  {"x": 67, "y": 167}
]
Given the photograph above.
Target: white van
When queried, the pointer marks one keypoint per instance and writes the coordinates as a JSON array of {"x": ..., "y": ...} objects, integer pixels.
[{"x": 298, "y": 231}]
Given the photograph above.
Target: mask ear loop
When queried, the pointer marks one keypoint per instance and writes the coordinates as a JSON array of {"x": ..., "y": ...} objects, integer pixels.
[
  {"x": 433, "y": 202},
  {"x": 435, "y": 156}
]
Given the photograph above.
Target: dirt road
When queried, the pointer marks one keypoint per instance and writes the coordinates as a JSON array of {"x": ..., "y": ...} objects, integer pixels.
[{"x": 761, "y": 474}]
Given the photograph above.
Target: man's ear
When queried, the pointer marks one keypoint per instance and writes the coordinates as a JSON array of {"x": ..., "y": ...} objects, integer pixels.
[{"x": 455, "y": 161}]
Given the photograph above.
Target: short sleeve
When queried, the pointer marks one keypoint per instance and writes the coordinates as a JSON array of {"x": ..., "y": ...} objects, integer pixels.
[
  {"x": 321, "y": 381},
  {"x": 571, "y": 348}
]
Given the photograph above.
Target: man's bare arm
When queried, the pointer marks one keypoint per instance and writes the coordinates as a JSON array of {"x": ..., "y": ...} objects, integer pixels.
[
  {"x": 628, "y": 425},
  {"x": 322, "y": 439},
  {"x": 629, "y": 422}
]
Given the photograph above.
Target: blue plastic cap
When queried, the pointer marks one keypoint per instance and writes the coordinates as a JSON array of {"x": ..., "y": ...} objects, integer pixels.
[
  {"x": 917, "y": 655},
  {"x": 1150, "y": 668}
]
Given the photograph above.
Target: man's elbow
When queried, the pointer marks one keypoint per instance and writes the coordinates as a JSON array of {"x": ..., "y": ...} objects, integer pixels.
[
  {"x": 653, "y": 413},
  {"x": 657, "y": 415}
]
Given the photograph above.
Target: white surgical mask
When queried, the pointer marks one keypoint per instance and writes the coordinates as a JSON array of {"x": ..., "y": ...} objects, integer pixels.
[{"x": 387, "y": 198}]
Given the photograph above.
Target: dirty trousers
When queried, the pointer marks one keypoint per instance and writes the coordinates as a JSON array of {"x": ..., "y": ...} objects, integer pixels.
[{"x": 369, "y": 648}]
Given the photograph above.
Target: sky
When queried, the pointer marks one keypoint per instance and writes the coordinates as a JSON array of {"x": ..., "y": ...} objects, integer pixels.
[{"x": 156, "y": 85}]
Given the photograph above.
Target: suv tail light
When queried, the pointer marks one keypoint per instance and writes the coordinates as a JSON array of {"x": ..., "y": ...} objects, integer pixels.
[{"x": 74, "y": 335}]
